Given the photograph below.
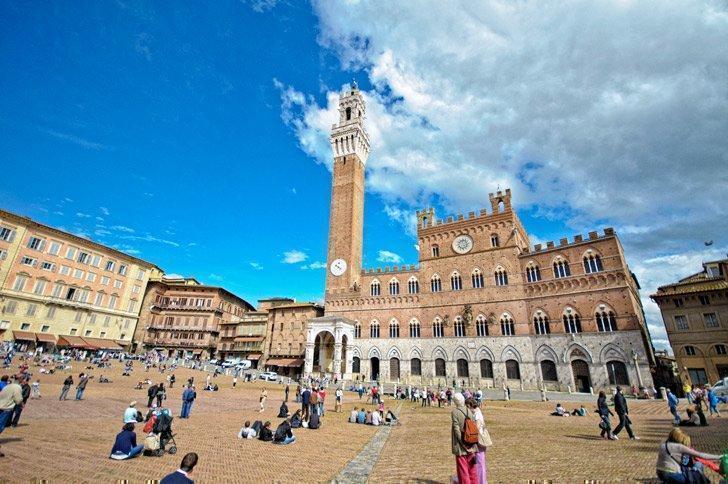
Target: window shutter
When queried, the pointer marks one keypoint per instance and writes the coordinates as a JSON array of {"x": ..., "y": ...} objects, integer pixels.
[{"x": 12, "y": 236}]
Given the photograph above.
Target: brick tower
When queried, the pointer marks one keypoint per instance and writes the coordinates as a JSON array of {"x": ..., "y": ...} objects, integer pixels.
[{"x": 350, "y": 146}]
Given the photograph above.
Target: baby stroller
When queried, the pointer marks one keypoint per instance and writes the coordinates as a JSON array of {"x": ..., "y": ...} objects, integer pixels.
[{"x": 162, "y": 434}]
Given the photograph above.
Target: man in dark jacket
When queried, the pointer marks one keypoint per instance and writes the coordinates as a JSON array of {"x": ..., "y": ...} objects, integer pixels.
[
  {"x": 151, "y": 393},
  {"x": 266, "y": 435},
  {"x": 620, "y": 406},
  {"x": 182, "y": 475},
  {"x": 305, "y": 400},
  {"x": 283, "y": 434},
  {"x": 15, "y": 416}
]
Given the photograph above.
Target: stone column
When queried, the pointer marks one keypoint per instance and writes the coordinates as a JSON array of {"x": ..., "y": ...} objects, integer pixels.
[
  {"x": 308, "y": 364},
  {"x": 637, "y": 369},
  {"x": 337, "y": 359}
]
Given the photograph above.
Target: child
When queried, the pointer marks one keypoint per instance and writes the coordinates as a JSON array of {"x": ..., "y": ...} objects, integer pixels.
[{"x": 35, "y": 387}]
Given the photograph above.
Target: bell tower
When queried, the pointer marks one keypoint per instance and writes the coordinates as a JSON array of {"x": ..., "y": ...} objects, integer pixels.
[{"x": 350, "y": 146}]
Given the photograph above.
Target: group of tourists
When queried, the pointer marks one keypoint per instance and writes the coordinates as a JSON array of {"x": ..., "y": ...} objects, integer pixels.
[
  {"x": 699, "y": 398},
  {"x": 376, "y": 417},
  {"x": 470, "y": 439}
]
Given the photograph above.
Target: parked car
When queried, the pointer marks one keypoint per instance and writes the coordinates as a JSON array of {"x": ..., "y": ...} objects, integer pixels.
[
  {"x": 721, "y": 387},
  {"x": 268, "y": 376},
  {"x": 244, "y": 365},
  {"x": 214, "y": 362},
  {"x": 229, "y": 363}
]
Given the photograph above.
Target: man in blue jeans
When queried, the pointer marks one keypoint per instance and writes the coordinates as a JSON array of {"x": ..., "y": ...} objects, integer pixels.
[
  {"x": 188, "y": 398},
  {"x": 81, "y": 387},
  {"x": 672, "y": 404}
]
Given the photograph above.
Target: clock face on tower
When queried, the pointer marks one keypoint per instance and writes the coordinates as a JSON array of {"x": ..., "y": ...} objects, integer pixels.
[
  {"x": 338, "y": 267},
  {"x": 462, "y": 244}
]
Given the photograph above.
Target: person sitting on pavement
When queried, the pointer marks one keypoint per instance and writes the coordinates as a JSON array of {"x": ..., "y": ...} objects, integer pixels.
[
  {"x": 579, "y": 412},
  {"x": 560, "y": 411},
  {"x": 693, "y": 419},
  {"x": 284, "y": 435},
  {"x": 125, "y": 446},
  {"x": 247, "y": 432},
  {"x": 376, "y": 418},
  {"x": 283, "y": 412},
  {"x": 353, "y": 415},
  {"x": 672, "y": 455},
  {"x": 296, "y": 420},
  {"x": 266, "y": 434},
  {"x": 315, "y": 421},
  {"x": 131, "y": 414},
  {"x": 361, "y": 417},
  {"x": 391, "y": 418}
]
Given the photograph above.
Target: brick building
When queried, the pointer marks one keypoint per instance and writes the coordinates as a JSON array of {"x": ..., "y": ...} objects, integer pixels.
[
  {"x": 285, "y": 344},
  {"x": 695, "y": 313},
  {"x": 58, "y": 288},
  {"x": 482, "y": 306},
  {"x": 185, "y": 318}
]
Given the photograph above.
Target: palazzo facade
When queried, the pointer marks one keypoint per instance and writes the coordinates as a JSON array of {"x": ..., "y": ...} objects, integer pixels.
[{"x": 482, "y": 307}]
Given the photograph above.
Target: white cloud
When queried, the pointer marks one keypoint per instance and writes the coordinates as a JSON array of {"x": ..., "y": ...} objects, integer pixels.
[
  {"x": 102, "y": 232},
  {"x": 149, "y": 238},
  {"x": 314, "y": 265},
  {"x": 389, "y": 257},
  {"x": 58, "y": 212},
  {"x": 122, "y": 228},
  {"x": 173, "y": 276},
  {"x": 256, "y": 266},
  {"x": 104, "y": 210},
  {"x": 609, "y": 114},
  {"x": 261, "y": 6},
  {"x": 294, "y": 256},
  {"x": 82, "y": 215}
]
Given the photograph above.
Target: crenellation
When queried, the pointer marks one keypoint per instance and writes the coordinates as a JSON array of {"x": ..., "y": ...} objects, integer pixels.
[
  {"x": 564, "y": 241},
  {"x": 471, "y": 215},
  {"x": 550, "y": 244},
  {"x": 593, "y": 235},
  {"x": 578, "y": 238},
  {"x": 609, "y": 231}
]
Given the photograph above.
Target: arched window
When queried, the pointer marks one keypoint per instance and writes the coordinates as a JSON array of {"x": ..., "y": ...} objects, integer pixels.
[
  {"x": 456, "y": 282},
  {"x": 439, "y": 367},
  {"x": 459, "y": 327},
  {"x": 374, "y": 329},
  {"x": 533, "y": 273},
  {"x": 414, "y": 328},
  {"x": 513, "y": 371},
  {"x": 541, "y": 323},
  {"x": 508, "y": 327},
  {"x": 486, "y": 368},
  {"x": 348, "y": 114},
  {"x": 416, "y": 367},
  {"x": 437, "y": 330},
  {"x": 357, "y": 329},
  {"x": 592, "y": 263},
  {"x": 394, "y": 329},
  {"x": 463, "y": 371},
  {"x": 494, "y": 240},
  {"x": 375, "y": 288},
  {"x": 606, "y": 321},
  {"x": 501, "y": 277},
  {"x": 394, "y": 287},
  {"x": 690, "y": 351},
  {"x": 477, "y": 278},
  {"x": 413, "y": 286},
  {"x": 548, "y": 370},
  {"x": 572, "y": 323},
  {"x": 617, "y": 372},
  {"x": 481, "y": 325},
  {"x": 721, "y": 349},
  {"x": 561, "y": 268},
  {"x": 435, "y": 284},
  {"x": 356, "y": 365},
  {"x": 435, "y": 250}
]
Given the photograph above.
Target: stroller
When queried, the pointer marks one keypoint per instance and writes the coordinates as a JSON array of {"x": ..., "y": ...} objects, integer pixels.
[{"x": 161, "y": 436}]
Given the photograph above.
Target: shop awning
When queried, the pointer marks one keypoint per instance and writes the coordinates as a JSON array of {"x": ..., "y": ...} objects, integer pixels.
[
  {"x": 253, "y": 357},
  {"x": 101, "y": 344},
  {"x": 245, "y": 339},
  {"x": 46, "y": 338},
  {"x": 71, "y": 342},
  {"x": 23, "y": 336},
  {"x": 286, "y": 362}
]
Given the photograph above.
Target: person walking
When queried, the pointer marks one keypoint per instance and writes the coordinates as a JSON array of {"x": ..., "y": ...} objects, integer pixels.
[
  {"x": 263, "y": 398},
  {"x": 672, "y": 402},
  {"x": 172, "y": 379},
  {"x": 288, "y": 388},
  {"x": 465, "y": 453},
  {"x": 620, "y": 406},
  {"x": 188, "y": 398},
  {"x": 235, "y": 380},
  {"x": 484, "y": 440},
  {"x": 305, "y": 401},
  {"x": 713, "y": 402},
  {"x": 10, "y": 396},
  {"x": 604, "y": 413},
  {"x": 15, "y": 417},
  {"x": 66, "y": 387},
  {"x": 151, "y": 393},
  {"x": 339, "y": 394},
  {"x": 161, "y": 393},
  {"x": 688, "y": 391},
  {"x": 83, "y": 379}
]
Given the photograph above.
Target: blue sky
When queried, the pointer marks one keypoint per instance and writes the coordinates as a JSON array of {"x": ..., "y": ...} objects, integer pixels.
[{"x": 197, "y": 138}]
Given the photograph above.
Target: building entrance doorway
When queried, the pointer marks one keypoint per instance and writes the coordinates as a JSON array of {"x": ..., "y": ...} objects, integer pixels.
[
  {"x": 374, "y": 366},
  {"x": 582, "y": 382}
]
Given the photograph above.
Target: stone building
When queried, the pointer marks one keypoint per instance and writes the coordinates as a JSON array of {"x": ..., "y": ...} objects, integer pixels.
[
  {"x": 482, "y": 306},
  {"x": 244, "y": 337},
  {"x": 695, "y": 313},
  {"x": 184, "y": 318},
  {"x": 285, "y": 344},
  {"x": 58, "y": 288}
]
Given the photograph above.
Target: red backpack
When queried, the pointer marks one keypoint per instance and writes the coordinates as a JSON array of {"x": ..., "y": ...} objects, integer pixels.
[
  {"x": 470, "y": 431},
  {"x": 150, "y": 424}
]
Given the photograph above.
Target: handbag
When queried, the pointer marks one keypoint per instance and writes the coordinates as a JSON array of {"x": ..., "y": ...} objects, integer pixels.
[
  {"x": 484, "y": 439},
  {"x": 691, "y": 475}
]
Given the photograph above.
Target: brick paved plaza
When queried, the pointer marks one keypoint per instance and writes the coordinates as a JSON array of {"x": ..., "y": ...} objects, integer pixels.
[{"x": 70, "y": 441}]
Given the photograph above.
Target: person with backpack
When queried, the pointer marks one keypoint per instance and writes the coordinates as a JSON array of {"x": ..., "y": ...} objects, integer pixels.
[
  {"x": 676, "y": 460},
  {"x": 464, "y": 441}
]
